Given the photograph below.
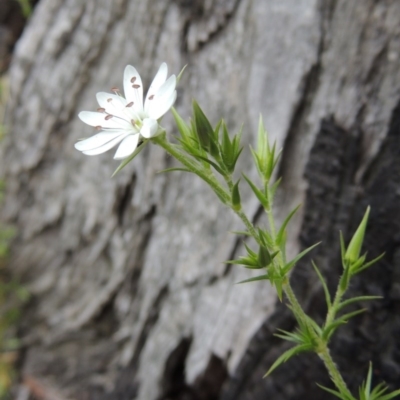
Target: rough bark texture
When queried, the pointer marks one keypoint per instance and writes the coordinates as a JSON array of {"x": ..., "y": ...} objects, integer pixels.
[{"x": 130, "y": 298}]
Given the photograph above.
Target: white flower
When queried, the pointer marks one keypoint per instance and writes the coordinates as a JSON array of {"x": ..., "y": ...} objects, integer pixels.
[{"x": 124, "y": 121}]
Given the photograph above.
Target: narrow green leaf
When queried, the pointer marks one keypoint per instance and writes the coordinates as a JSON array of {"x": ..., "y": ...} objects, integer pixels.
[
  {"x": 247, "y": 262},
  {"x": 369, "y": 264},
  {"x": 244, "y": 233},
  {"x": 367, "y": 386},
  {"x": 292, "y": 263},
  {"x": 236, "y": 196},
  {"x": 178, "y": 78},
  {"x": 287, "y": 355},
  {"x": 281, "y": 231},
  {"x": 274, "y": 187},
  {"x": 357, "y": 299},
  {"x": 342, "y": 396},
  {"x": 174, "y": 169},
  {"x": 390, "y": 396},
  {"x": 259, "y": 194},
  {"x": 204, "y": 129},
  {"x": 257, "y": 278},
  {"x": 125, "y": 162},
  {"x": 250, "y": 251},
  {"x": 328, "y": 298},
  {"x": 181, "y": 124},
  {"x": 213, "y": 164}
]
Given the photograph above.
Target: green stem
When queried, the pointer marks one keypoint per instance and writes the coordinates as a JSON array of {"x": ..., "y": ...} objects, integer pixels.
[
  {"x": 174, "y": 151},
  {"x": 323, "y": 350},
  {"x": 333, "y": 309}
]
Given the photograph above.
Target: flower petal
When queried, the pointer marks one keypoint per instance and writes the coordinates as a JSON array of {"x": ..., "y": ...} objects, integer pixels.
[
  {"x": 158, "y": 80},
  {"x": 97, "y": 140},
  {"x": 133, "y": 88},
  {"x": 161, "y": 106},
  {"x": 104, "y": 120},
  {"x": 105, "y": 147},
  {"x": 116, "y": 105},
  {"x": 127, "y": 147},
  {"x": 149, "y": 128}
]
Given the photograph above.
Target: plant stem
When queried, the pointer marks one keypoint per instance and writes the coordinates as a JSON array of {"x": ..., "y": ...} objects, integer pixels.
[
  {"x": 193, "y": 167},
  {"x": 321, "y": 346}
]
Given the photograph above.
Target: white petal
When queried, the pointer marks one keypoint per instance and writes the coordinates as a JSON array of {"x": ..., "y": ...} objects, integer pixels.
[
  {"x": 133, "y": 88},
  {"x": 116, "y": 105},
  {"x": 167, "y": 88},
  {"x": 97, "y": 140},
  {"x": 99, "y": 119},
  {"x": 158, "y": 80},
  {"x": 161, "y": 106},
  {"x": 105, "y": 147},
  {"x": 149, "y": 128},
  {"x": 127, "y": 147}
]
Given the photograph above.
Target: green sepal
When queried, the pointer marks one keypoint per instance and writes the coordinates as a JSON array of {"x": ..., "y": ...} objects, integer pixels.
[
  {"x": 281, "y": 231},
  {"x": 293, "y": 262},
  {"x": 259, "y": 194},
  {"x": 354, "y": 248},
  {"x": 287, "y": 355},
  {"x": 125, "y": 162},
  {"x": 368, "y": 264},
  {"x": 255, "y": 279}
]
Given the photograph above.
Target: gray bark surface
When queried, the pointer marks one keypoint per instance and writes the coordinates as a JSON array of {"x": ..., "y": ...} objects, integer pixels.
[{"x": 131, "y": 298}]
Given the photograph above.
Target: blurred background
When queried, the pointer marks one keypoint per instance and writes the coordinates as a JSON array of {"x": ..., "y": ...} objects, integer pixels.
[{"x": 117, "y": 288}]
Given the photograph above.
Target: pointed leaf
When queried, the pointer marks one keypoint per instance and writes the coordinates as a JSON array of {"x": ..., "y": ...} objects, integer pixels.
[
  {"x": 324, "y": 285},
  {"x": 257, "y": 278},
  {"x": 287, "y": 355},
  {"x": 292, "y": 263},
  {"x": 281, "y": 231},
  {"x": 357, "y": 299},
  {"x": 353, "y": 251},
  {"x": 260, "y": 195},
  {"x": 125, "y": 162}
]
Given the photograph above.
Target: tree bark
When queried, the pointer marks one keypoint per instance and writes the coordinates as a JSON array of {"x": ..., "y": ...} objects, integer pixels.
[{"x": 131, "y": 298}]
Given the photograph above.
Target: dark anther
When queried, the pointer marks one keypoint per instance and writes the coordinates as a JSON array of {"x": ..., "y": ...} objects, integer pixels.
[
  {"x": 101, "y": 110},
  {"x": 136, "y": 86},
  {"x": 115, "y": 89},
  {"x": 98, "y": 127},
  {"x": 133, "y": 122},
  {"x": 151, "y": 97},
  {"x": 110, "y": 99},
  {"x": 130, "y": 104},
  {"x": 109, "y": 116},
  {"x": 133, "y": 79}
]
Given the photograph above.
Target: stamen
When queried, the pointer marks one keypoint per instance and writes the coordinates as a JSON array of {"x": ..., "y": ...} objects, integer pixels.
[
  {"x": 110, "y": 99},
  {"x": 133, "y": 79},
  {"x": 101, "y": 110},
  {"x": 133, "y": 122},
  {"x": 98, "y": 128},
  {"x": 109, "y": 116},
  {"x": 136, "y": 86},
  {"x": 115, "y": 89},
  {"x": 151, "y": 97},
  {"x": 130, "y": 104}
]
